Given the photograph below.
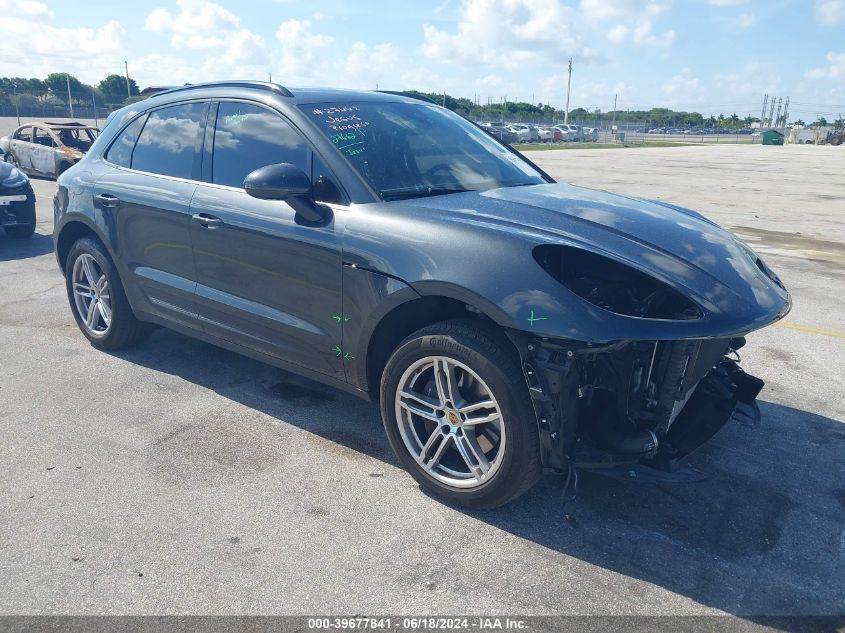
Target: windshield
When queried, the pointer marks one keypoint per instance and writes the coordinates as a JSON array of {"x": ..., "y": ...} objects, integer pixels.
[
  {"x": 410, "y": 150},
  {"x": 80, "y": 138}
]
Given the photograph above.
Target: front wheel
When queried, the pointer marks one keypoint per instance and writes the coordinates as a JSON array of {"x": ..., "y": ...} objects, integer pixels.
[{"x": 458, "y": 416}]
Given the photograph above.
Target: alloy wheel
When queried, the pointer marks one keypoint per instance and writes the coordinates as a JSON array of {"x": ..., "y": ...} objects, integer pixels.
[
  {"x": 450, "y": 422},
  {"x": 92, "y": 295}
]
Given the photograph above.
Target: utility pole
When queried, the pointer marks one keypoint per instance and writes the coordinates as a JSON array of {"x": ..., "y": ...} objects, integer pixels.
[
  {"x": 17, "y": 110},
  {"x": 69, "y": 102},
  {"x": 270, "y": 77},
  {"x": 613, "y": 124},
  {"x": 568, "y": 88},
  {"x": 126, "y": 68},
  {"x": 94, "y": 104}
]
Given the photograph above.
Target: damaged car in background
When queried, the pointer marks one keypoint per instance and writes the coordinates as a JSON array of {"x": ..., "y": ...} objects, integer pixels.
[
  {"x": 47, "y": 149},
  {"x": 506, "y": 323}
]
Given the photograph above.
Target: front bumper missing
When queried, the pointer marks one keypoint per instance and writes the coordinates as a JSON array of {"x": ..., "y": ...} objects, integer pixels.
[
  {"x": 725, "y": 393},
  {"x": 560, "y": 400}
]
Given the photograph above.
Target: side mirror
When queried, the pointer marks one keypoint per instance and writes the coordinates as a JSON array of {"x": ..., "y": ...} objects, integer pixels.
[{"x": 284, "y": 181}]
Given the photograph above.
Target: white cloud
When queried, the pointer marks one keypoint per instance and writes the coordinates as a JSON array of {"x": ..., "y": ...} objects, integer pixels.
[
  {"x": 746, "y": 20},
  {"x": 834, "y": 71},
  {"x": 506, "y": 33},
  {"x": 30, "y": 8},
  {"x": 630, "y": 19},
  {"x": 830, "y": 12},
  {"x": 33, "y": 45},
  {"x": 682, "y": 89},
  {"x": 618, "y": 33},
  {"x": 726, "y": 3},
  {"x": 300, "y": 50},
  {"x": 210, "y": 27},
  {"x": 749, "y": 82}
]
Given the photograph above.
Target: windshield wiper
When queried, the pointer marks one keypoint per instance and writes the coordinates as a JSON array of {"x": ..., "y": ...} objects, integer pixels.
[{"x": 407, "y": 193}]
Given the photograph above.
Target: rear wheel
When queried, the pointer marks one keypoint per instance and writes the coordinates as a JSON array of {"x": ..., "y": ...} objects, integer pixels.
[
  {"x": 98, "y": 300},
  {"x": 458, "y": 416}
]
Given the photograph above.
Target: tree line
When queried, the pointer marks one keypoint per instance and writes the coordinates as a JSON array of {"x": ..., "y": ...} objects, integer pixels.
[
  {"x": 53, "y": 90},
  {"x": 111, "y": 92},
  {"x": 520, "y": 110}
]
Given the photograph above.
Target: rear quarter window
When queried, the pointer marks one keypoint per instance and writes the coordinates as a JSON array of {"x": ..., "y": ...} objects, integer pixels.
[{"x": 120, "y": 152}]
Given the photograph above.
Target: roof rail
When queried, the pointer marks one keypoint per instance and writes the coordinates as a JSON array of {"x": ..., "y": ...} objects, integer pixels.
[{"x": 260, "y": 85}]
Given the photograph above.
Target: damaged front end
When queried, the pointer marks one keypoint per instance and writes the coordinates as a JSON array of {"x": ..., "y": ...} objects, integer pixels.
[{"x": 630, "y": 402}]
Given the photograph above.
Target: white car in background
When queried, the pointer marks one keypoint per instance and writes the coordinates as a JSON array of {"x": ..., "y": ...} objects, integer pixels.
[
  {"x": 590, "y": 134},
  {"x": 545, "y": 135},
  {"x": 569, "y": 132},
  {"x": 523, "y": 132}
]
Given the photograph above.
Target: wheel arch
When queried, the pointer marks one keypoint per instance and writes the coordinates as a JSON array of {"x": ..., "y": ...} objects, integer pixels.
[
  {"x": 71, "y": 232},
  {"x": 413, "y": 315}
]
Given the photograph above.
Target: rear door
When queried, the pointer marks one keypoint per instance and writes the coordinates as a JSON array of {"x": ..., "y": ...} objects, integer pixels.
[
  {"x": 43, "y": 152},
  {"x": 266, "y": 280},
  {"x": 146, "y": 194}
]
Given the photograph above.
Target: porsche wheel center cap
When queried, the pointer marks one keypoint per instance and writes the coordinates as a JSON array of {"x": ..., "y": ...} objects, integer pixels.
[{"x": 453, "y": 418}]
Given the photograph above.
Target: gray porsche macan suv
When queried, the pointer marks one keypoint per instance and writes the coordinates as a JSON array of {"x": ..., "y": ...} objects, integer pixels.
[{"x": 506, "y": 323}]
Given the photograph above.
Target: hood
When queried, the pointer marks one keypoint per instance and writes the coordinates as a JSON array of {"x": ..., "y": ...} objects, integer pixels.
[
  {"x": 676, "y": 245},
  {"x": 6, "y": 171}
]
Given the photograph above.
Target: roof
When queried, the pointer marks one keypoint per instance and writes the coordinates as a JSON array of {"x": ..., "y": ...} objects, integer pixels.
[
  {"x": 297, "y": 95},
  {"x": 69, "y": 125}
]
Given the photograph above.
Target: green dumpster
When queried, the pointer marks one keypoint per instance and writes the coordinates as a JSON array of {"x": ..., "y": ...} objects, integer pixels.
[{"x": 772, "y": 137}]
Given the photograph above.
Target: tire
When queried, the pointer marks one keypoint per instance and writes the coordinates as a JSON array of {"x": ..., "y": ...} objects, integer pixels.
[
  {"x": 121, "y": 329},
  {"x": 485, "y": 371}
]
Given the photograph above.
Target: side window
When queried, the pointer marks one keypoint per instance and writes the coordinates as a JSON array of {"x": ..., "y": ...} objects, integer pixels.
[
  {"x": 24, "y": 134},
  {"x": 247, "y": 137},
  {"x": 42, "y": 137},
  {"x": 168, "y": 143},
  {"x": 120, "y": 152}
]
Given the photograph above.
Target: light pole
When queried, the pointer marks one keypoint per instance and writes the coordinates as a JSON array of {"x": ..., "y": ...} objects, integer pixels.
[
  {"x": 126, "y": 68},
  {"x": 568, "y": 87},
  {"x": 69, "y": 102},
  {"x": 17, "y": 110}
]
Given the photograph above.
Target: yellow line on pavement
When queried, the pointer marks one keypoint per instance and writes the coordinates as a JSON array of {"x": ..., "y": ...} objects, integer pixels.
[{"x": 808, "y": 329}]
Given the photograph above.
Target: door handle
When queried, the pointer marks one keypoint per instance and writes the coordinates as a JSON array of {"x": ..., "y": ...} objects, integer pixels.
[
  {"x": 207, "y": 221},
  {"x": 107, "y": 200}
]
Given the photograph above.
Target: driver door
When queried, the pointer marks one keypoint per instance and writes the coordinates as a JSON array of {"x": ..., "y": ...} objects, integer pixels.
[{"x": 265, "y": 280}]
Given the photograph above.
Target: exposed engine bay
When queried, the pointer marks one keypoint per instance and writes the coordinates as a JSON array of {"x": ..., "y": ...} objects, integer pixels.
[{"x": 649, "y": 402}]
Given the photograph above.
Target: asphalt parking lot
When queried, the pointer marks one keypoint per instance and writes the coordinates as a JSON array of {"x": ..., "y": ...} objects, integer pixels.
[{"x": 180, "y": 478}]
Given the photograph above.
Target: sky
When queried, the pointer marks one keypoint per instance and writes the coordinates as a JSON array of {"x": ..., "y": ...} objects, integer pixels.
[{"x": 710, "y": 56}]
